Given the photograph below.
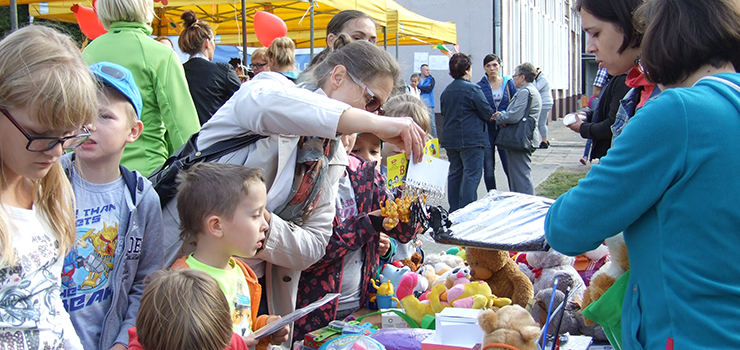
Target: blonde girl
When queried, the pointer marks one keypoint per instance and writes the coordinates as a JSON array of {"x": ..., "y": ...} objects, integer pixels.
[
  {"x": 46, "y": 95},
  {"x": 406, "y": 105}
]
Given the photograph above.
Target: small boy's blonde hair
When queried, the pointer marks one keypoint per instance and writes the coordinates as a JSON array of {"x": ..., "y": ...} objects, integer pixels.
[
  {"x": 183, "y": 309},
  {"x": 407, "y": 105},
  {"x": 107, "y": 93},
  {"x": 211, "y": 189}
]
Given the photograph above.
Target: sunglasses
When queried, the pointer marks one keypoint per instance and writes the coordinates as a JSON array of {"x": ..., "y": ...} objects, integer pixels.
[
  {"x": 255, "y": 65},
  {"x": 43, "y": 144},
  {"x": 373, "y": 105}
]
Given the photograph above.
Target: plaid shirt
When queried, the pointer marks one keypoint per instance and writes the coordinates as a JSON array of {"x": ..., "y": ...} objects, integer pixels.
[{"x": 602, "y": 76}]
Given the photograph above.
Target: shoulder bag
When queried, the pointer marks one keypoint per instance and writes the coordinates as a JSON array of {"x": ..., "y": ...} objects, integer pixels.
[{"x": 518, "y": 137}]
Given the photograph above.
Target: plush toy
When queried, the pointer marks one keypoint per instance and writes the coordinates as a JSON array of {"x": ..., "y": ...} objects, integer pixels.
[
  {"x": 457, "y": 251},
  {"x": 393, "y": 274},
  {"x": 428, "y": 274},
  {"x": 501, "y": 273},
  {"x": 507, "y": 327},
  {"x": 572, "y": 320},
  {"x": 550, "y": 264},
  {"x": 451, "y": 276},
  {"x": 589, "y": 262},
  {"x": 414, "y": 262},
  {"x": 609, "y": 273},
  {"x": 451, "y": 261}
]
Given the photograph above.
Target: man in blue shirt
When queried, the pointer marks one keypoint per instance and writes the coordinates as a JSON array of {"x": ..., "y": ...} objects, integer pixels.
[{"x": 426, "y": 86}]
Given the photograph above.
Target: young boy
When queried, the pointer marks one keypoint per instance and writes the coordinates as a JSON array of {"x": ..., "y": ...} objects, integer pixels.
[
  {"x": 118, "y": 220},
  {"x": 222, "y": 208}
]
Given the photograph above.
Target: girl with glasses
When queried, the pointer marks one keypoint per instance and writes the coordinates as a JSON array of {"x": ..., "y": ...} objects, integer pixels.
[
  {"x": 304, "y": 122},
  {"x": 46, "y": 95}
]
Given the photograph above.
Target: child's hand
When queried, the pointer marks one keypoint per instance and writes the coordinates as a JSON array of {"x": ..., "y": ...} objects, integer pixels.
[
  {"x": 280, "y": 336},
  {"x": 250, "y": 341},
  {"x": 385, "y": 244}
]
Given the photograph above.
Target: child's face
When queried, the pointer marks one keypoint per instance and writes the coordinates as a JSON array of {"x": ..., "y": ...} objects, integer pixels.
[
  {"x": 16, "y": 159},
  {"x": 414, "y": 82},
  {"x": 110, "y": 132},
  {"x": 367, "y": 147},
  {"x": 245, "y": 233}
]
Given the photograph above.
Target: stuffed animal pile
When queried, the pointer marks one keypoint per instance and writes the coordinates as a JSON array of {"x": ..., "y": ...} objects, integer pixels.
[
  {"x": 507, "y": 327},
  {"x": 502, "y": 274}
]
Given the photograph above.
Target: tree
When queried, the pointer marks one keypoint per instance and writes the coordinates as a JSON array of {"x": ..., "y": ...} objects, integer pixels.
[{"x": 24, "y": 19}]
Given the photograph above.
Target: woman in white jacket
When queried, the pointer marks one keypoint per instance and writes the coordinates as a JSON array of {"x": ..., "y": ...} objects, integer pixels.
[{"x": 340, "y": 95}]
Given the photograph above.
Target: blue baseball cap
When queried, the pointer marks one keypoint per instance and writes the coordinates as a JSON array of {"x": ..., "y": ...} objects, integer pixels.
[{"x": 121, "y": 79}]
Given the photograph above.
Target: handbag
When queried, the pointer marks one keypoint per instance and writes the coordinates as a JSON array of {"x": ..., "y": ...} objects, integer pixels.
[
  {"x": 518, "y": 137},
  {"x": 164, "y": 178}
]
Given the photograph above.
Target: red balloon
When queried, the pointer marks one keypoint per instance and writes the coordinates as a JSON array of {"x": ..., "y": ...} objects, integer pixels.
[
  {"x": 268, "y": 27},
  {"x": 88, "y": 21}
]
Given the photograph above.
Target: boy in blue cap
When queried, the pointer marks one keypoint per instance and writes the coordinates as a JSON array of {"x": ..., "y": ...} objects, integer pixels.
[{"x": 118, "y": 220}]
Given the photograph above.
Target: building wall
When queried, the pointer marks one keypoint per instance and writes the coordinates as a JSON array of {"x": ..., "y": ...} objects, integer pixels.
[{"x": 546, "y": 33}]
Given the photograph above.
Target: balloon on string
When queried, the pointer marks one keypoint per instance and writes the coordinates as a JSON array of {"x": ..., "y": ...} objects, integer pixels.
[
  {"x": 88, "y": 21},
  {"x": 268, "y": 27}
]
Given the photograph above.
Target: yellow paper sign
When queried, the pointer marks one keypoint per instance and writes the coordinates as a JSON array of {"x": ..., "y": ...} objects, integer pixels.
[
  {"x": 432, "y": 148},
  {"x": 397, "y": 167}
]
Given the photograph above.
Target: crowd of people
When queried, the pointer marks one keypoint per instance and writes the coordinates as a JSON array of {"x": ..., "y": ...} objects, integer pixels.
[{"x": 90, "y": 259}]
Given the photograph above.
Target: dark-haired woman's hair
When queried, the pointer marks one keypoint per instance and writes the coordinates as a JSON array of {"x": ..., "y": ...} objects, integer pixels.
[
  {"x": 362, "y": 59},
  {"x": 235, "y": 62},
  {"x": 335, "y": 26},
  {"x": 491, "y": 57},
  {"x": 619, "y": 13},
  {"x": 195, "y": 33},
  {"x": 683, "y": 35},
  {"x": 459, "y": 64}
]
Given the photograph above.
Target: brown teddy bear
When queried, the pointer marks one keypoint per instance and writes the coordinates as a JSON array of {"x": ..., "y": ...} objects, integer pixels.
[
  {"x": 510, "y": 326},
  {"x": 414, "y": 262},
  {"x": 501, "y": 273}
]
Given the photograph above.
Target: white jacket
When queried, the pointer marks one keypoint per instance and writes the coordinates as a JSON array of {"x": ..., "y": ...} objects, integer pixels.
[{"x": 272, "y": 105}]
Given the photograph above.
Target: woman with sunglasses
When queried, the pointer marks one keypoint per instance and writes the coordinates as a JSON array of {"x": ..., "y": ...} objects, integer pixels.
[
  {"x": 668, "y": 183},
  {"x": 46, "y": 95},
  {"x": 341, "y": 95},
  {"x": 465, "y": 112}
]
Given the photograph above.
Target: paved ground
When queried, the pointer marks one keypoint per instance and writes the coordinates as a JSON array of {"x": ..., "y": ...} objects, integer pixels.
[{"x": 566, "y": 148}]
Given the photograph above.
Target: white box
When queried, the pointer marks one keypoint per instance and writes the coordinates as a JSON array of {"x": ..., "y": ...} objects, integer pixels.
[
  {"x": 458, "y": 327},
  {"x": 391, "y": 320}
]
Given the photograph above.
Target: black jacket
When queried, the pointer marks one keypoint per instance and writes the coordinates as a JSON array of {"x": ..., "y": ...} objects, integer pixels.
[
  {"x": 599, "y": 127},
  {"x": 210, "y": 84}
]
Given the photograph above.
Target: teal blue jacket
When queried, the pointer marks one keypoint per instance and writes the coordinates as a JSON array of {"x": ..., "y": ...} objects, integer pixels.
[
  {"x": 669, "y": 182},
  {"x": 169, "y": 115}
]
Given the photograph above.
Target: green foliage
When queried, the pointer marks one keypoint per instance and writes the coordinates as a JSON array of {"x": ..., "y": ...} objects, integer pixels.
[
  {"x": 71, "y": 29},
  {"x": 559, "y": 182}
]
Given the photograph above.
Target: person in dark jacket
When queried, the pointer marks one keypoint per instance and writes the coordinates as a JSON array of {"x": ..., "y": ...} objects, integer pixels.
[
  {"x": 465, "y": 112},
  {"x": 498, "y": 91},
  {"x": 210, "y": 83},
  {"x": 599, "y": 121}
]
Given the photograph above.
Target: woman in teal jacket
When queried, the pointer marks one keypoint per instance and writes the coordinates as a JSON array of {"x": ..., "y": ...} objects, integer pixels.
[
  {"x": 169, "y": 115},
  {"x": 668, "y": 183}
]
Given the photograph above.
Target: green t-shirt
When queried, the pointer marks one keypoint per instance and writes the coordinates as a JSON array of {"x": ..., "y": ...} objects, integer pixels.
[{"x": 234, "y": 285}]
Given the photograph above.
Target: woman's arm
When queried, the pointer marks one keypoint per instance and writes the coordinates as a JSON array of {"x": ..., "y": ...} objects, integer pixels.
[
  {"x": 516, "y": 109},
  {"x": 480, "y": 103},
  {"x": 602, "y": 129},
  {"x": 176, "y": 106}
]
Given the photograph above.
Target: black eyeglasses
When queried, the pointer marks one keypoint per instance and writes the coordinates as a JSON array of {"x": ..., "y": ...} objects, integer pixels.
[
  {"x": 43, "y": 144},
  {"x": 255, "y": 65},
  {"x": 373, "y": 105}
]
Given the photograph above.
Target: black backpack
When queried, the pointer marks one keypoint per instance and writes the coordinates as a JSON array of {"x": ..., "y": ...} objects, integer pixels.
[{"x": 164, "y": 179}]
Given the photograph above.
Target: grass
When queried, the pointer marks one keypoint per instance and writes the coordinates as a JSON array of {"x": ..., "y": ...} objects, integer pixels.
[{"x": 559, "y": 182}]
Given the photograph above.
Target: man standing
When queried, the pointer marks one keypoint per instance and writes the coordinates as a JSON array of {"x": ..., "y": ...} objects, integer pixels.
[{"x": 426, "y": 86}]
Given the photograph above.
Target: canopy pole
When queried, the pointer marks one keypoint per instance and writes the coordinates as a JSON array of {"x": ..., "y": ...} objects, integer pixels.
[
  {"x": 310, "y": 3},
  {"x": 396, "y": 44},
  {"x": 244, "y": 33},
  {"x": 385, "y": 38},
  {"x": 13, "y": 15}
]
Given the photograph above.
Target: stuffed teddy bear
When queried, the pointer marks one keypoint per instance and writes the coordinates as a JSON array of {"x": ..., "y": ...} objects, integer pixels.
[
  {"x": 547, "y": 265},
  {"x": 451, "y": 261},
  {"x": 509, "y": 326},
  {"x": 572, "y": 321},
  {"x": 496, "y": 268},
  {"x": 605, "y": 277},
  {"x": 414, "y": 262}
]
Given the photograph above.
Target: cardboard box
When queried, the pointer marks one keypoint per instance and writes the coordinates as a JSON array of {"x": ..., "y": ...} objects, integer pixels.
[
  {"x": 391, "y": 320},
  {"x": 457, "y": 326}
]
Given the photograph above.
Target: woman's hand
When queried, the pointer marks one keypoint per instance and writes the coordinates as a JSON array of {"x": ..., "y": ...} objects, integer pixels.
[
  {"x": 494, "y": 116},
  {"x": 385, "y": 244},
  {"x": 577, "y": 125}
]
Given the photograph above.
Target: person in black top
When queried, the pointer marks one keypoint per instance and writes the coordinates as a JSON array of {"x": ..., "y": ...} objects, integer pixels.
[{"x": 210, "y": 83}]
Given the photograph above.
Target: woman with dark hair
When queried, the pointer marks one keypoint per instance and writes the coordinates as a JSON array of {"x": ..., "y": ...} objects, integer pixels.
[
  {"x": 498, "y": 91},
  {"x": 356, "y": 24},
  {"x": 667, "y": 184},
  {"x": 210, "y": 83},
  {"x": 465, "y": 112},
  {"x": 525, "y": 104}
]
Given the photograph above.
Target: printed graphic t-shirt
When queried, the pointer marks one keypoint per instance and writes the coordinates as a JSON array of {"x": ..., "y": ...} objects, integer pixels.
[
  {"x": 101, "y": 215},
  {"x": 234, "y": 285},
  {"x": 352, "y": 275},
  {"x": 31, "y": 312}
]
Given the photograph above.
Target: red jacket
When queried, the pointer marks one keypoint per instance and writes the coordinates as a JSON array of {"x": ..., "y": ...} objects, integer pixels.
[{"x": 236, "y": 341}]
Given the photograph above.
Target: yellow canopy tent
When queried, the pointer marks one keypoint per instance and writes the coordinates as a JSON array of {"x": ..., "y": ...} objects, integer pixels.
[{"x": 408, "y": 28}]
